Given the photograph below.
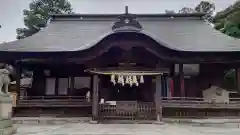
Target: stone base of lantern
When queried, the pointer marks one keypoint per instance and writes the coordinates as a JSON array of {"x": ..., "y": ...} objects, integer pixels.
[{"x": 6, "y": 124}]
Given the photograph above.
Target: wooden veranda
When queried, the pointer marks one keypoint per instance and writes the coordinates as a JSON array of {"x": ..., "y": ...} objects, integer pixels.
[{"x": 181, "y": 107}]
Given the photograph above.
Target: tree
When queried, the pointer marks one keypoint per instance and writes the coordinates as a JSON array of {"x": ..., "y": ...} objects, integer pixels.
[
  {"x": 169, "y": 12},
  {"x": 206, "y": 7},
  {"x": 186, "y": 10},
  {"x": 203, "y": 6},
  {"x": 38, "y": 14},
  {"x": 228, "y": 20}
]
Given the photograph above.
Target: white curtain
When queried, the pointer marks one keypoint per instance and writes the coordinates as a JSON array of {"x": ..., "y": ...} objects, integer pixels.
[
  {"x": 82, "y": 82},
  {"x": 63, "y": 86},
  {"x": 50, "y": 86}
]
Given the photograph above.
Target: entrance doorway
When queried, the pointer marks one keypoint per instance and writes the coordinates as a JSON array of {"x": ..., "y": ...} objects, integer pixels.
[
  {"x": 144, "y": 92},
  {"x": 125, "y": 93},
  {"x": 127, "y": 102}
]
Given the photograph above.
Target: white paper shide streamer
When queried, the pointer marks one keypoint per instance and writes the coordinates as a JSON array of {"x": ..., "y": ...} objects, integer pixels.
[{"x": 132, "y": 80}]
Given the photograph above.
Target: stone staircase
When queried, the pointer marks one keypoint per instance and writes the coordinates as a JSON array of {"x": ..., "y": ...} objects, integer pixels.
[
  {"x": 52, "y": 112},
  {"x": 50, "y": 120}
]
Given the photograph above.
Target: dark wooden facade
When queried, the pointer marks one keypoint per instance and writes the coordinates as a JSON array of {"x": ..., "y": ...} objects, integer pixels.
[{"x": 149, "y": 107}]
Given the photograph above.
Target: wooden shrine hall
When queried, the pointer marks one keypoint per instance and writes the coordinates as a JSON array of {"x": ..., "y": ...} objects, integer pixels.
[{"x": 126, "y": 66}]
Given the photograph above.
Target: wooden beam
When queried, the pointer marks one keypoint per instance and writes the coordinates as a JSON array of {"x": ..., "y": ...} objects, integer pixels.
[{"x": 95, "y": 98}]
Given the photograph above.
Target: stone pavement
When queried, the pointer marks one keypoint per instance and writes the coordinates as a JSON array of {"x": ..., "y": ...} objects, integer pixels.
[
  {"x": 52, "y": 120},
  {"x": 124, "y": 129}
]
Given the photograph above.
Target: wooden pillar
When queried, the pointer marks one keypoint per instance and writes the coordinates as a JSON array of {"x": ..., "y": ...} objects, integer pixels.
[
  {"x": 72, "y": 82},
  {"x": 238, "y": 78},
  {"x": 172, "y": 85},
  {"x": 158, "y": 98},
  {"x": 18, "y": 81},
  {"x": 181, "y": 80},
  {"x": 57, "y": 87},
  {"x": 95, "y": 98},
  {"x": 178, "y": 80}
]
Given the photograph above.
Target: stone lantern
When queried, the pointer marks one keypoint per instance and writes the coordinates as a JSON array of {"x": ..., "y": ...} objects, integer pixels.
[{"x": 6, "y": 124}]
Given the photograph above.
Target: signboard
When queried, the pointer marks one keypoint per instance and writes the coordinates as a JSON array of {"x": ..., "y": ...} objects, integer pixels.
[
  {"x": 188, "y": 69},
  {"x": 191, "y": 69}
]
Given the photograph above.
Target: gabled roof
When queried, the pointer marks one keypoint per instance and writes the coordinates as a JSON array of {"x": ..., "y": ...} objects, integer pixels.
[{"x": 180, "y": 32}]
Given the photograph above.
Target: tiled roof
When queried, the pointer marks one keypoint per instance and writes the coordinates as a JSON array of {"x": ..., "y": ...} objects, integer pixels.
[{"x": 80, "y": 32}]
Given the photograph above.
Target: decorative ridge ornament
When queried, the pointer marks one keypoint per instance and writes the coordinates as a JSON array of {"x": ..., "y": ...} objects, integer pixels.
[{"x": 127, "y": 22}]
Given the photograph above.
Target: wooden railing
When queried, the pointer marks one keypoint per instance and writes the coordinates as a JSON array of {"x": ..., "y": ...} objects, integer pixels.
[
  {"x": 51, "y": 97},
  {"x": 197, "y": 107},
  {"x": 167, "y": 102},
  {"x": 172, "y": 107},
  {"x": 53, "y": 101},
  {"x": 183, "y": 98},
  {"x": 191, "y": 102},
  {"x": 129, "y": 110},
  {"x": 193, "y": 98}
]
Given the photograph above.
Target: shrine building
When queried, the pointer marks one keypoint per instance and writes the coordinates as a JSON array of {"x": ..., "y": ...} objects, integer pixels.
[{"x": 124, "y": 66}]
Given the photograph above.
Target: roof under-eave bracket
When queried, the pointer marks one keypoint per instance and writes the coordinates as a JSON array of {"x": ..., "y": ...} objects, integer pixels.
[{"x": 180, "y": 32}]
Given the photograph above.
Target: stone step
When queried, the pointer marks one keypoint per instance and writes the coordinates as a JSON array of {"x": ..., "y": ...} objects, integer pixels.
[
  {"x": 49, "y": 120},
  {"x": 4, "y": 123},
  {"x": 8, "y": 131},
  {"x": 127, "y": 122}
]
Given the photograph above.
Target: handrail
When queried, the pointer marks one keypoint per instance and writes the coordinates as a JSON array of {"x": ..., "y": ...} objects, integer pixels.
[
  {"x": 176, "y": 99},
  {"x": 53, "y": 101},
  {"x": 51, "y": 97},
  {"x": 165, "y": 100},
  {"x": 191, "y": 98}
]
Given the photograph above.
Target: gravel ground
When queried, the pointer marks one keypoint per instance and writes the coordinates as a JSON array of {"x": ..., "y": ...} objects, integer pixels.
[{"x": 125, "y": 129}]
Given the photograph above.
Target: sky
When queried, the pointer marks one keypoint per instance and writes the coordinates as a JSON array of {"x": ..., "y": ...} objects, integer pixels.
[{"x": 11, "y": 16}]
